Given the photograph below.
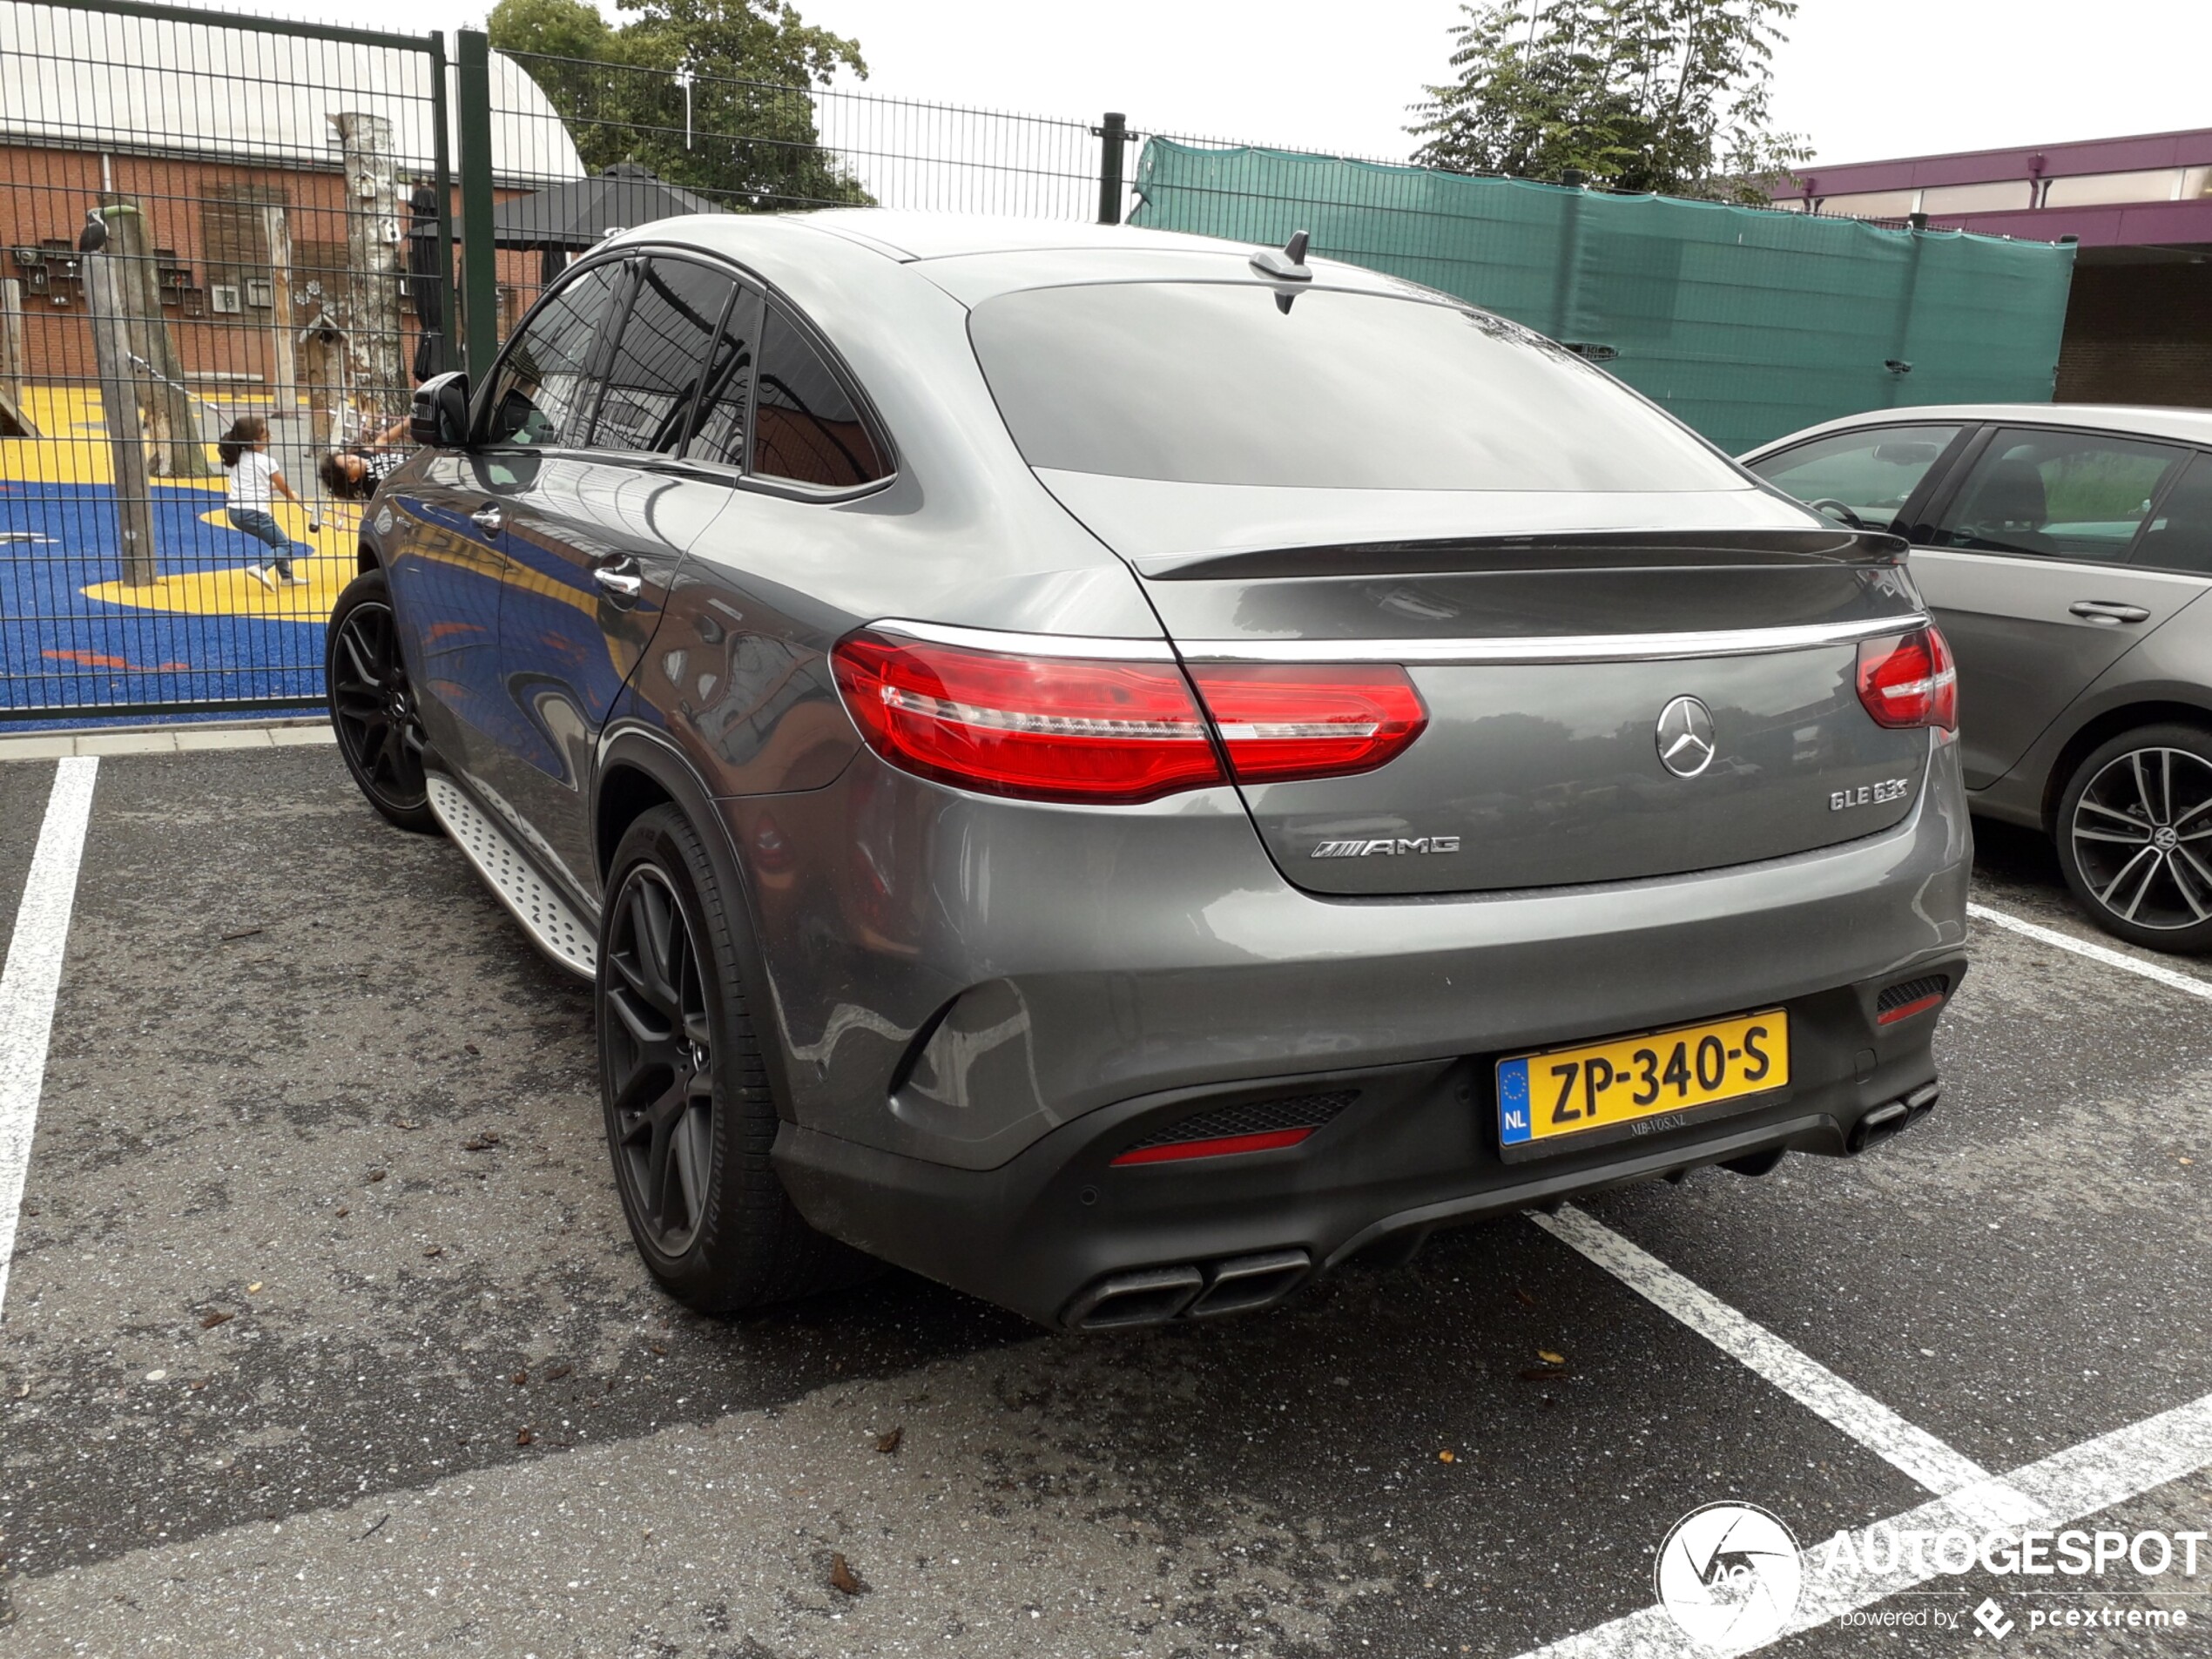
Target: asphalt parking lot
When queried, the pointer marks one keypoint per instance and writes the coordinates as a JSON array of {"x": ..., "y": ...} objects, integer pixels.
[{"x": 323, "y": 1334}]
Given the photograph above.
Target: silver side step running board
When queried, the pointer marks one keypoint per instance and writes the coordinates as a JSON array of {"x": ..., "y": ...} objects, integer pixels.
[{"x": 554, "y": 928}]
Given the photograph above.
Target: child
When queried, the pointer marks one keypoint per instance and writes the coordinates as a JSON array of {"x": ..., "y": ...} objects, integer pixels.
[
  {"x": 354, "y": 473},
  {"x": 244, "y": 449}
]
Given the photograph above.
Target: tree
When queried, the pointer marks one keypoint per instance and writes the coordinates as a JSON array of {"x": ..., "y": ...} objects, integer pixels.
[
  {"x": 1669, "y": 96},
  {"x": 749, "y": 137}
]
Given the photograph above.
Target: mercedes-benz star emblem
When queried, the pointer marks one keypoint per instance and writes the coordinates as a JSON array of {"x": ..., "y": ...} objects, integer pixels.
[{"x": 1686, "y": 746}]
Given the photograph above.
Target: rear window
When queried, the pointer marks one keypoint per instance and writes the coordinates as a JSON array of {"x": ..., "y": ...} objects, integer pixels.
[{"x": 1214, "y": 384}]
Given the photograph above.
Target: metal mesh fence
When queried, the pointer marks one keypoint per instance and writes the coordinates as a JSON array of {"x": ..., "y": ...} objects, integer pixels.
[
  {"x": 204, "y": 236},
  {"x": 652, "y": 142},
  {"x": 218, "y": 227}
]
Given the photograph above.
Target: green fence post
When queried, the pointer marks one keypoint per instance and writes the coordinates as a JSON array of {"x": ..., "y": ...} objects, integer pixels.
[
  {"x": 1908, "y": 298},
  {"x": 1567, "y": 273},
  {"x": 442, "y": 165},
  {"x": 1111, "y": 137},
  {"x": 479, "y": 273}
]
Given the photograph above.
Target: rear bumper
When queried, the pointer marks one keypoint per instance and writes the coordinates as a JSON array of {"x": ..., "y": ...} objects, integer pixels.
[
  {"x": 967, "y": 1054},
  {"x": 1050, "y": 1229},
  {"x": 955, "y": 978}
]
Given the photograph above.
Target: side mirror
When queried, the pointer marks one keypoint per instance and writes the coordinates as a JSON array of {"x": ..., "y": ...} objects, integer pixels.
[{"x": 440, "y": 417}]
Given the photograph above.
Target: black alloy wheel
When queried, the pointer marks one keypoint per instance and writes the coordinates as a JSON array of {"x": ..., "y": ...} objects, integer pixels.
[
  {"x": 2135, "y": 837},
  {"x": 659, "y": 1063},
  {"x": 691, "y": 1120},
  {"x": 372, "y": 705}
]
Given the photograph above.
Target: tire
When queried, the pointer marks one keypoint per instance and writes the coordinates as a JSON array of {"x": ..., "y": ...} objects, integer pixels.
[
  {"x": 372, "y": 705},
  {"x": 2134, "y": 837},
  {"x": 690, "y": 1119}
]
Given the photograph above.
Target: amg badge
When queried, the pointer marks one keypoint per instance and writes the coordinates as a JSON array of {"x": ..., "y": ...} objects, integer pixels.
[
  {"x": 1889, "y": 789},
  {"x": 1386, "y": 848}
]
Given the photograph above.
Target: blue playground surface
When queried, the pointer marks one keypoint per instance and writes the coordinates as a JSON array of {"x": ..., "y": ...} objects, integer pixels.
[
  {"x": 60, "y": 648},
  {"x": 76, "y": 642}
]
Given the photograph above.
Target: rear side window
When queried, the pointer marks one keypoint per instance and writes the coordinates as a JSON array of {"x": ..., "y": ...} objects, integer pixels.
[
  {"x": 807, "y": 428},
  {"x": 1873, "y": 474},
  {"x": 725, "y": 404},
  {"x": 2180, "y": 538},
  {"x": 654, "y": 377},
  {"x": 2058, "y": 495},
  {"x": 1212, "y": 383},
  {"x": 544, "y": 392}
]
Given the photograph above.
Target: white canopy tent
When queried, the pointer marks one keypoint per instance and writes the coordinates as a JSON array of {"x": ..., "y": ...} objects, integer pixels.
[{"x": 213, "y": 92}]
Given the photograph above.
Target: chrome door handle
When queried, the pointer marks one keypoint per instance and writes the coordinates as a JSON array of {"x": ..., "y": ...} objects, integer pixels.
[
  {"x": 488, "y": 518},
  {"x": 620, "y": 578},
  {"x": 2108, "y": 612}
]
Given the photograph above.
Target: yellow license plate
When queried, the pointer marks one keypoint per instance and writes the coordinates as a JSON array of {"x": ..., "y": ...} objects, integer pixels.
[{"x": 1572, "y": 1091}]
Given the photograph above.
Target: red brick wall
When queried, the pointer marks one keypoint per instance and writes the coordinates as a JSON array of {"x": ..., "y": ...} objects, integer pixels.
[
  {"x": 2138, "y": 334},
  {"x": 44, "y": 194}
]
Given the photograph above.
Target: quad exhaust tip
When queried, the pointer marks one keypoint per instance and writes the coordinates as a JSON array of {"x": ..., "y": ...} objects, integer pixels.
[
  {"x": 1893, "y": 1116},
  {"x": 1156, "y": 1295}
]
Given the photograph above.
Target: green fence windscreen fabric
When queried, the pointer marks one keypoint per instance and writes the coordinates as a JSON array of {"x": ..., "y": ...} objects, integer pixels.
[{"x": 1745, "y": 322}]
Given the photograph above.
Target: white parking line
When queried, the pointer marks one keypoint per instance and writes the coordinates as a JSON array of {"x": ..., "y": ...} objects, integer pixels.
[
  {"x": 2063, "y": 1488},
  {"x": 32, "y": 977},
  {"x": 2164, "y": 975},
  {"x": 1874, "y": 1425}
]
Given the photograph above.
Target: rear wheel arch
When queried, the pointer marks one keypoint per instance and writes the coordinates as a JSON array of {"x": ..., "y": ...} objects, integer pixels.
[
  {"x": 627, "y": 791},
  {"x": 2094, "y": 732},
  {"x": 639, "y": 771}
]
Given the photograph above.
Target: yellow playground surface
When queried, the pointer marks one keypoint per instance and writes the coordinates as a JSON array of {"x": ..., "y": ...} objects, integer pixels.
[{"x": 70, "y": 458}]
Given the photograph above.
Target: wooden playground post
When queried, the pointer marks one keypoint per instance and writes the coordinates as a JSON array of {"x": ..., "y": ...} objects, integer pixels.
[
  {"x": 372, "y": 250},
  {"x": 104, "y": 285},
  {"x": 179, "y": 451},
  {"x": 284, "y": 365},
  {"x": 14, "y": 423}
]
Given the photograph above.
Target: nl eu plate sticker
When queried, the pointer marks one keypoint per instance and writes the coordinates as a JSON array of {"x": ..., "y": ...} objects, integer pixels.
[{"x": 1513, "y": 1103}]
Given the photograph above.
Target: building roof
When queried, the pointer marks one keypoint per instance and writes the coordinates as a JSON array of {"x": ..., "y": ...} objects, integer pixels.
[
  {"x": 224, "y": 91},
  {"x": 2139, "y": 152},
  {"x": 577, "y": 213},
  {"x": 2150, "y": 191}
]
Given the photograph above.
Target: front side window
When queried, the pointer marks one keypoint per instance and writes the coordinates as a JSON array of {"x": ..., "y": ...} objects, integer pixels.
[
  {"x": 1872, "y": 474},
  {"x": 807, "y": 429},
  {"x": 2058, "y": 495},
  {"x": 654, "y": 377},
  {"x": 1215, "y": 383},
  {"x": 544, "y": 391},
  {"x": 2179, "y": 538},
  {"x": 725, "y": 401}
]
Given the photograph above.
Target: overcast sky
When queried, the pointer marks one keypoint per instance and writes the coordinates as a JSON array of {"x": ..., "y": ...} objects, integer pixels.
[{"x": 1863, "y": 79}]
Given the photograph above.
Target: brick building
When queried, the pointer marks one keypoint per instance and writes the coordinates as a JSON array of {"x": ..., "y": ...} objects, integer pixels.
[{"x": 225, "y": 140}]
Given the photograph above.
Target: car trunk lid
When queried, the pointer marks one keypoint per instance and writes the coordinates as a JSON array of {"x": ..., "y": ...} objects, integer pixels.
[{"x": 1600, "y": 706}]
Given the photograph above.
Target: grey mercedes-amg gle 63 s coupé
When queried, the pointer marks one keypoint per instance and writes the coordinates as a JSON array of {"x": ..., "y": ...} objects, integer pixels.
[{"x": 1118, "y": 770}]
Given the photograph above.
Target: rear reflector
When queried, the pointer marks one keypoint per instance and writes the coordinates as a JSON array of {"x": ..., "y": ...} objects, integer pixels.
[
  {"x": 1909, "y": 679},
  {"x": 1228, "y": 1144},
  {"x": 1279, "y": 723},
  {"x": 1043, "y": 728},
  {"x": 1246, "y": 1126},
  {"x": 1913, "y": 996}
]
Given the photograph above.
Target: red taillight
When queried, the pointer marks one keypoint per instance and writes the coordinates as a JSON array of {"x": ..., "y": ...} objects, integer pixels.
[
  {"x": 1909, "y": 679},
  {"x": 1046, "y": 728},
  {"x": 1279, "y": 723}
]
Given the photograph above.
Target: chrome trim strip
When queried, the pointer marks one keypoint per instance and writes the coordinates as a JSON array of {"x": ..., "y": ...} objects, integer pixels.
[
  {"x": 1555, "y": 648},
  {"x": 1097, "y": 648}
]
